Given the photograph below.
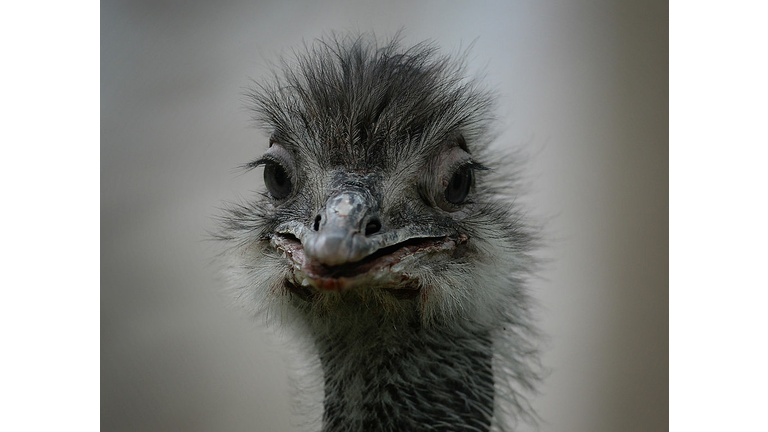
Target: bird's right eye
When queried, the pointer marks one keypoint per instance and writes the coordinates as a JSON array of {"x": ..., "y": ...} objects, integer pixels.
[{"x": 277, "y": 181}]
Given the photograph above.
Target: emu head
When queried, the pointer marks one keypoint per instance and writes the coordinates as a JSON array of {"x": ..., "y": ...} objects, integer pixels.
[{"x": 382, "y": 194}]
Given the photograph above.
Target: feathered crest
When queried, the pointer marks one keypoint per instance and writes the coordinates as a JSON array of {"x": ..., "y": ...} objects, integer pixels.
[{"x": 351, "y": 100}]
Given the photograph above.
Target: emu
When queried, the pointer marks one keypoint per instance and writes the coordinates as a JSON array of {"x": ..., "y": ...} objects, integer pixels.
[{"x": 388, "y": 235}]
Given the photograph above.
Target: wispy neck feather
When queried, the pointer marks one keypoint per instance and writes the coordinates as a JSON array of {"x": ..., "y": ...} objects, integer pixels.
[
  {"x": 384, "y": 376},
  {"x": 413, "y": 364}
]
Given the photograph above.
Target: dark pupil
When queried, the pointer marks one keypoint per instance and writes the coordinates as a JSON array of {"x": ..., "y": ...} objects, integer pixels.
[
  {"x": 458, "y": 188},
  {"x": 277, "y": 181}
]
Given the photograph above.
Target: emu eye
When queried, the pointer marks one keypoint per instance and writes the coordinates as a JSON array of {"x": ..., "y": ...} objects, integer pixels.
[
  {"x": 277, "y": 181},
  {"x": 458, "y": 187}
]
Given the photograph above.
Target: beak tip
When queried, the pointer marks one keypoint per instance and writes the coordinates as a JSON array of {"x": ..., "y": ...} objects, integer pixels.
[{"x": 329, "y": 248}]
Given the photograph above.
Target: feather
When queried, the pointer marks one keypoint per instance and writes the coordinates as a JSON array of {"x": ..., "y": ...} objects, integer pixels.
[{"x": 439, "y": 333}]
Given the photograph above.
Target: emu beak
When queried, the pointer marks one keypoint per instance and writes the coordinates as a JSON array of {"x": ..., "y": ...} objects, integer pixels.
[
  {"x": 345, "y": 248},
  {"x": 339, "y": 234}
]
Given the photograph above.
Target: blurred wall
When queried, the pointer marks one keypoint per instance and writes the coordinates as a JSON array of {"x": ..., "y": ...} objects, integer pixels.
[{"x": 582, "y": 84}]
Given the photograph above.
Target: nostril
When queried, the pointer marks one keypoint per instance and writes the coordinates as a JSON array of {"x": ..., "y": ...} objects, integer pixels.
[
  {"x": 316, "y": 226},
  {"x": 372, "y": 227}
]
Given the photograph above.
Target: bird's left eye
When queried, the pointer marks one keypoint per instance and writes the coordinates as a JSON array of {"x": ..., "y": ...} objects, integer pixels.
[
  {"x": 277, "y": 181},
  {"x": 458, "y": 187}
]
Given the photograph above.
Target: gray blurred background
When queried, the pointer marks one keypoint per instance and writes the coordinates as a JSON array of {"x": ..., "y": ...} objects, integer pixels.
[{"x": 582, "y": 84}]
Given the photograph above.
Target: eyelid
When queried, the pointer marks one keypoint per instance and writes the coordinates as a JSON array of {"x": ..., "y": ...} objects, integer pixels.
[
  {"x": 467, "y": 163},
  {"x": 275, "y": 155}
]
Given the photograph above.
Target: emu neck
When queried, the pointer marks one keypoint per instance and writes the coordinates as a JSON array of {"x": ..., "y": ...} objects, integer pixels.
[{"x": 383, "y": 377}]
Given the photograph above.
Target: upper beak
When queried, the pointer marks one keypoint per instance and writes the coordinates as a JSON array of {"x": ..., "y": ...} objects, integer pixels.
[{"x": 339, "y": 235}]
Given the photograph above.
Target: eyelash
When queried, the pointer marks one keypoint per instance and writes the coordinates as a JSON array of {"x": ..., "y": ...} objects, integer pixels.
[
  {"x": 260, "y": 162},
  {"x": 474, "y": 166}
]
